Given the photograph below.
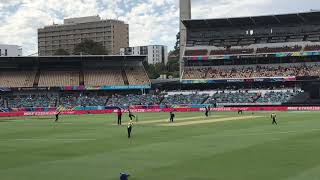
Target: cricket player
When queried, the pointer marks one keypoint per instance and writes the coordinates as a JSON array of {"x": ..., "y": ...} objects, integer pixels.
[
  {"x": 274, "y": 118},
  {"x": 119, "y": 113},
  {"x": 207, "y": 111},
  {"x": 129, "y": 128},
  {"x": 172, "y": 115},
  {"x": 57, "y": 116},
  {"x": 131, "y": 116}
]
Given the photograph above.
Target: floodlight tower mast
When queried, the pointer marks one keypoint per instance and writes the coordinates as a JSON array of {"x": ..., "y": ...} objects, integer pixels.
[{"x": 185, "y": 14}]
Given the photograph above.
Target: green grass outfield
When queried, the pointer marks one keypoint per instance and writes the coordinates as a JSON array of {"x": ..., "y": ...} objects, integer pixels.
[{"x": 91, "y": 147}]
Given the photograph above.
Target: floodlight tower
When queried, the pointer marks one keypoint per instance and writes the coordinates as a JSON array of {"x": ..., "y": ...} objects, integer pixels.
[{"x": 185, "y": 14}]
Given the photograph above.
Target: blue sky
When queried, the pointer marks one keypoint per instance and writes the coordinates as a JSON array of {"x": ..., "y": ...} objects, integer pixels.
[{"x": 151, "y": 21}]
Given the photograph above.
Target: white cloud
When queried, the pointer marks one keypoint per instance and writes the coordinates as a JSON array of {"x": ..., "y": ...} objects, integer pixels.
[{"x": 151, "y": 21}]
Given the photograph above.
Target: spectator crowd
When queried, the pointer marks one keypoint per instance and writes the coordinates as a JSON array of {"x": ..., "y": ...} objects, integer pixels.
[
  {"x": 70, "y": 101},
  {"x": 251, "y": 72}
]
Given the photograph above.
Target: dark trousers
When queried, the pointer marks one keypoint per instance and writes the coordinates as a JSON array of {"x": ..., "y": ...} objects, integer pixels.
[
  {"x": 207, "y": 113},
  {"x": 129, "y": 131},
  {"x": 171, "y": 119},
  {"x": 274, "y": 121},
  {"x": 119, "y": 120},
  {"x": 132, "y": 116},
  {"x": 57, "y": 118}
]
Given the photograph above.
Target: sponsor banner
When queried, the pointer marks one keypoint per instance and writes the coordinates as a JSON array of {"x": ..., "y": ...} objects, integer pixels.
[
  {"x": 178, "y": 109},
  {"x": 81, "y": 88},
  {"x": 245, "y": 56},
  {"x": 248, "y": 80}
]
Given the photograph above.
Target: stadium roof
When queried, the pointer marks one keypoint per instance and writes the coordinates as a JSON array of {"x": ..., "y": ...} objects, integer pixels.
[
  {"x": 76, "y": 57},
  {"x": 297, "y": 18}
]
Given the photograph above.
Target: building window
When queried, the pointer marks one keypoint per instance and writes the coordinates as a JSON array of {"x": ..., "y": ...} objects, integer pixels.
[
  {"x": 0, "y": 53},
  {"x": 5, "y": 52}
]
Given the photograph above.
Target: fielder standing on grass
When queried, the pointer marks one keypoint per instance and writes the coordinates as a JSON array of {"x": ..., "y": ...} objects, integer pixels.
[
  {"x": 172, "y": 116},
  {"x": 274, "y": 118},
  {"x": 57, "y": 116},
  {"x": 129, "y": 128},
  {"x": 207, "y": 111}
]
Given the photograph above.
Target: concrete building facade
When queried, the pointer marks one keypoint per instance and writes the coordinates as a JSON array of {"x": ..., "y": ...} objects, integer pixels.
[
  {"x": 112, "y": 34},
  {"x": 10, "y": 50},
  {"x": 155, "y": 53},
  {"x": 185, "y": 14}
]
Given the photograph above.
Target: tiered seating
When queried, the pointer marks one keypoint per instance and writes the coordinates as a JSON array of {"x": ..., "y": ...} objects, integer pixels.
[
  {"x": 103, "y": 78},
  {"x": 276, "y": 97},
  {"x": 58, "y": 78},
  {"x": 180, "y": 99},
  {"x": 133, "y": 99},
  {"x": 312, "y": 48},
  {"x": 2, "y": 103},
  {"x": 232, "y": 51},
  {"x": 195, "y": 73},
  {"x": 137, "y": 76},
  {"x": 32, "y": 101},
  {"x": 279, "y": 49},
  {"x": 253, "y": 72},
  {"x": 200, "y": 52},
  {"x": 233, "y": 97},
  {"x": 17, "y": 79},
  {"x": 72, "y": 100}
]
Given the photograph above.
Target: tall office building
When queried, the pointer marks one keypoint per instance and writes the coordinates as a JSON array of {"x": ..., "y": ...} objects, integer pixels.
[
  {"x": 7, "y": 50},
  {"x": 112, "y": 34},
  {"x": 155, "y": 53}
]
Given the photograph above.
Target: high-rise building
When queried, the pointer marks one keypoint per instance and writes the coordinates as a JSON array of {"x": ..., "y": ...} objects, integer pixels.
[
  {"x": 112, "y": 34},
  {"x": 155, "y": 53},
  {"x": 10, "y": 50},
  {"x": 185, "y": 14}
]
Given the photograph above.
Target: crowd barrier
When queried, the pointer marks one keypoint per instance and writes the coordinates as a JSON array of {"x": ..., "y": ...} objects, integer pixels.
[{"x": 52, "y": 112}]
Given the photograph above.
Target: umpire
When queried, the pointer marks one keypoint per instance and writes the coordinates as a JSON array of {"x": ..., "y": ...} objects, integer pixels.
[{"x": 119, "y": 113}]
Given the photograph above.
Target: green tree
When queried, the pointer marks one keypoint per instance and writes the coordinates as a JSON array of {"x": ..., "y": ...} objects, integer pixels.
[
  {"x": 151, "y": 70},
  {"x": 61, "y": 52},
  {"x": 173, "y": 65},
  {"x": 89, "y": 47}
]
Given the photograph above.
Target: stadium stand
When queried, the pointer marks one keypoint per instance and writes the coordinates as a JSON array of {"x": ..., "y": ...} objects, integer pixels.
[
  {"x": 103, "y": 77},
  {"x": 134, "y": 99},
  {"x": 2, "y": 103},
  {"x": 233, "y": 97},
  {"x": 17, "y": 79},
  {"x": 73, "y": 100},
  {"x": 200, "y": 52},
  {"x": 277, "y": 97},
  {"x": 252, "y": 71},
  {"x": 137, "y": 76},
  {"x": 279, "y": 49},
  {"x": 32, "y": 101},
  {"x": 180, "y": 99},
  {"x": 58, "y": 78},
  {"x": 232, "y": 51},
  {"x": 312, "y": 48}
]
